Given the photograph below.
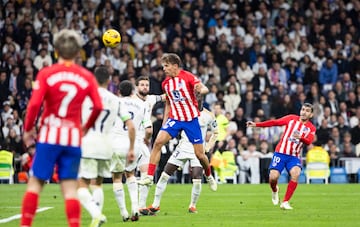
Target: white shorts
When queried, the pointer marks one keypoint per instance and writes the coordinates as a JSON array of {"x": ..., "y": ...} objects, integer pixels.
[
  {"x": 92, "y": 168},
  {"x": 118, "y": 161},
  {"x": 144, "y": 155},
  {"x": 179, "y": 158}
]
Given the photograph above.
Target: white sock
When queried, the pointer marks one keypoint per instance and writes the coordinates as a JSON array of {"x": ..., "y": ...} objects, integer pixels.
[
  {"x": 120, "y": 198},
  {"x": 98, "y": 196},
  {"x": 195, "y": 192},
  {"x": 133, "y": 193},
  {"x": 88, "y": 203},
  {"x": 160, "y": 188},
  {"x": 143, "y": 193}
]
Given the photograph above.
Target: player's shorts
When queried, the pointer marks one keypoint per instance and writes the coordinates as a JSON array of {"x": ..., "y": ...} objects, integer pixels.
[
  {"x": 179, "y": 158},
  {"x": 92, "y": 168},
  {"x": 281, "y": 161},
  {"x": 120, "y": 150},
  {"x": 144, "y": 155},
  {"x": 191, "y": 129},
  {"x": 67, "y": 159}
]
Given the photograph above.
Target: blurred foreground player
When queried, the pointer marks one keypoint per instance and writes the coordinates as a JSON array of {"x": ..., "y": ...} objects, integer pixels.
[{"x": 60, "y": 90}]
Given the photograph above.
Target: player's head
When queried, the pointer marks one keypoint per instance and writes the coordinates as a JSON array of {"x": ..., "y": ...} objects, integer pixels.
[
  {"x": 67, "y": 44},
  {"x": 125, "y": 88},
  {"x": 307, "y": 111},
  {"x": 143, "y": 85},
  {"x": 102, "y": 75},
  {"x": 171, "y": 63}
]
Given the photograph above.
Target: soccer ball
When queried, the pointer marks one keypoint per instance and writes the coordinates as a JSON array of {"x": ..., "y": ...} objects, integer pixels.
[{"x": 111, "y": 38}]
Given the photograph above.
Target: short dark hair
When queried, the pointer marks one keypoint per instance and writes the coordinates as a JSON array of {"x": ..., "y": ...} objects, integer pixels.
[
  {"x": 102, "y": 74},
  {"x": 140, "y": 78},
  {"x": 309, "y": 105},
  {"x": 125, "y": 88}
]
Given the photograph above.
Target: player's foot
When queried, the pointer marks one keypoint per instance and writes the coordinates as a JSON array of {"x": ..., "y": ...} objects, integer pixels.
[
  {"x": 275, "y": 196},
  {"x": 285, "y": 206},
  {"x": 153, "y": 210},
  {"x": 144, "y": 211},
  {"x": 125, "y": 216},
  {"x": 135, "y": 216},
  {"x": 147, "y": 180},
  {"x": 192, "y": 210},
  {"x": 98, "y": 221},
  {"x": 212, "y": 183}
]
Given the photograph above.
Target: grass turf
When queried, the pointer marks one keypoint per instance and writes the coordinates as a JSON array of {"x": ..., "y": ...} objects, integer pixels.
[{"x": 232, "y": 205}]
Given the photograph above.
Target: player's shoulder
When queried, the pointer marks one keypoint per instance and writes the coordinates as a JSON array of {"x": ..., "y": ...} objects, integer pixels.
[{"x": 208, "y": 113}]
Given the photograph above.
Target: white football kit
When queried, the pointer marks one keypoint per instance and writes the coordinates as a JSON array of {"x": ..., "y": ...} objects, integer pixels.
[
  {"x": 96, "y": 144},
  {"x": 120, "y": 142},
  {"x": 185, "y": 149},
  {"x": 150, "y": 101}
]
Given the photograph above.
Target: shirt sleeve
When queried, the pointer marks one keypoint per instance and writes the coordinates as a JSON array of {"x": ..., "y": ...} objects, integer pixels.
[{"x": 36, "y": 100}]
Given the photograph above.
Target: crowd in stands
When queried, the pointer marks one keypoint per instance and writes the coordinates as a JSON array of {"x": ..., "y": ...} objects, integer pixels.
[{"x": 260, "y": 59}]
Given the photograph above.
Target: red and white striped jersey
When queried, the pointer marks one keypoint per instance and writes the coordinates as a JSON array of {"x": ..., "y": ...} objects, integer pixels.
[
  {"x": 288, "y": 144},
  {"x": 61, "y": 89},
  {"x": 181, "y": 95}
]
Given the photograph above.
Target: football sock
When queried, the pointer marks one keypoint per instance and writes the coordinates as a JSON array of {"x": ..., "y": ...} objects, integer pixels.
[
  {"x": 143, "y": 193},
  {"x": 29, "y": 205},
  {"x": 120, "y": 197},
  {"x": 208, "y": 171},
  {"x": 98, "y": 196},
  {"x": 151, "y": 169},
  {"x": 290, "y": 190},
  {"x": 273, "y": 185},
  {"x": 88, "y": 203},
  {"x": 195, "y": 192},
  {"x": 73, "y": 212},
  {"x": 133, "y": 193},
  {"x": 160, "y": 188}
]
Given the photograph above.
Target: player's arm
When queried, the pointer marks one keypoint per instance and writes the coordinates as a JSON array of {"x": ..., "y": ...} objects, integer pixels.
[
  {"x": 97, "y": 105},
  {"x": 33, "y": 109},
  {"x": 308, "y": 138},
  {"x": 269, "y": 123},
  {"x": 200, "y": 88},
  {"x": 131, "y": 132},
  {"x": 214, "y": 134},
  {"x": 160, "y": 98},
  {"x": 166, "y": 111},
  {"x": 147, "y": 124}
]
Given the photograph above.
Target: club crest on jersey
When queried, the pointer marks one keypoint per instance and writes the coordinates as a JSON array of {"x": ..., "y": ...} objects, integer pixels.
[{"x": 306, "y": 129}]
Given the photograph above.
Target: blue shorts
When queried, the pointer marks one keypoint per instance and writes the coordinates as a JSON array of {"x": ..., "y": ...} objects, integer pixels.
[
  {"x": 281, "y": 161},
  {"x": 47, "y": 156},
  {"x": 191, "y": 129}
]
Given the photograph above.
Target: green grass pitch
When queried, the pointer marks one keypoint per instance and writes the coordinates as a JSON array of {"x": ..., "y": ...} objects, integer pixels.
[{"x": 232, "y": 205}]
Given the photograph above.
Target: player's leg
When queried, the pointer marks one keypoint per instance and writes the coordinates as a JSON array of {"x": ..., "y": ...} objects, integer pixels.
[
  {"x": 143, "y": 189},
  {"x": 294, "y": 165},
  {"x": 171, "y": 166},
  {"x": 132, "y": 186},
  {"x": 68, "y": 165},
  {"x": 169, "y": 130},
  {"x": 42, "y": 169},
  {"x": 88, "y": 171},
  {"x": 117, "y": 168},
  {"x": 98, "y": 192},
  {"x": 276, "y": 167},
  {"x": 196, "y": 188}
]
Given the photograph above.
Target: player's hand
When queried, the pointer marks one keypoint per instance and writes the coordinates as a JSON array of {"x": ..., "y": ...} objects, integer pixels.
[
  {"x": 130, "y": 157},
  {"x": 250, "y": 124},
  {"x": 29, "y": 137},
  {"x": 296, "y": 135},
  {"x": 84, "y": 130}
]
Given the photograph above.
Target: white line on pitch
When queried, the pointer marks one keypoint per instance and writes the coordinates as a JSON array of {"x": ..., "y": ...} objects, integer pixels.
[{"x": 18, "y": 216}]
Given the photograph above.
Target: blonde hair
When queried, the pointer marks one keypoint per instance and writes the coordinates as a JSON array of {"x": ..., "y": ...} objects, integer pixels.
[{"x": 67, "y": 43}]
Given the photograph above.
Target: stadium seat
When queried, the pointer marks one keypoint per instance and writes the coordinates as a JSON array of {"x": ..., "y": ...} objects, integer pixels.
[
  {"x": 338, "y": 175},
  {"x": 284, "y": 177},
  {"x": 317, "y": 165},
  {"x": 6, "y": 166}
]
